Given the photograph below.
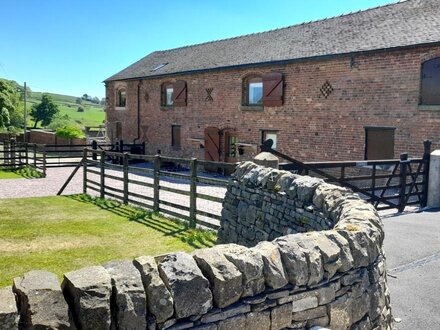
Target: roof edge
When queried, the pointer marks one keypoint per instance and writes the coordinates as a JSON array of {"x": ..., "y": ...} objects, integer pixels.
[{"x": 279, "y": 62}]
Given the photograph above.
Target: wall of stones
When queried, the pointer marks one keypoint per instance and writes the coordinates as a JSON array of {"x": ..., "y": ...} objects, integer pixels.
[{"x": 332, "y": 277}]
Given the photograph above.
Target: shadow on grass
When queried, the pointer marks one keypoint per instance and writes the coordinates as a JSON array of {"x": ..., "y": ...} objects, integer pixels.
[{"x": 196, "y": 238}]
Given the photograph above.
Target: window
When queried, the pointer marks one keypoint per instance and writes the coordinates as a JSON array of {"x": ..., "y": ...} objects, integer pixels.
[
  {"x": 122, "y": 98},
  {"x": 255, "y": 95},
  {"x": 430, "y": 84},
  {"x": 379, "y": 143},
  {"x": 263, "y": 91},
  {"x": 167, "y": 95},
  {"x": 174, "y": 94},
  {"x": 266, "y": 135},
  {"x": 175, "y": 136}
]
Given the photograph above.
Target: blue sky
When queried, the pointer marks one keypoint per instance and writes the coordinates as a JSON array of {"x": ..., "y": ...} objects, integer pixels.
[{"x": 71, "y": 46}]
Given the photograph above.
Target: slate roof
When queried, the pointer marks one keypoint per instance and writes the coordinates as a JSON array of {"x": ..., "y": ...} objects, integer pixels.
[{"x": 405, "y": 23}]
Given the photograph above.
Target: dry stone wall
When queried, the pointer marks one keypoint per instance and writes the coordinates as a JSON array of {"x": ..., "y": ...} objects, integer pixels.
[{"x": 331, "y": 276}]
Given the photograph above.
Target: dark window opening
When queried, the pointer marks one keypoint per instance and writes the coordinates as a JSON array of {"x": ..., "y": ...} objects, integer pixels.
[
  {"x": 122, "y": 98},
  {"x": 379, "y": 143},
  {"x": 175, "y": 136},
  {"x": 430, "y": 82}
]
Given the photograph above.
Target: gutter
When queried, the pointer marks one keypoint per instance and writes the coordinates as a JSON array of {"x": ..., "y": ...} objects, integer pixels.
[{"x": 138, "y": 112}]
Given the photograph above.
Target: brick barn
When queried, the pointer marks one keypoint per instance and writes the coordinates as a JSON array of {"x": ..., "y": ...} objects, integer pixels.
[{"x": 364, "y": 85}]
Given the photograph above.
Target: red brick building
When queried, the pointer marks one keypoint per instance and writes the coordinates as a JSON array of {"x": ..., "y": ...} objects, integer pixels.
[{"x": 362, "y": 85}]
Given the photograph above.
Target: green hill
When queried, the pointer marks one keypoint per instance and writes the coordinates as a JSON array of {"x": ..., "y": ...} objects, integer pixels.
[{"x": 93, "y": 114}]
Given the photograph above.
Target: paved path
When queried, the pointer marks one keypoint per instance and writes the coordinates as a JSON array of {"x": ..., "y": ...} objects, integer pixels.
[{"x": 412, "y": 246}]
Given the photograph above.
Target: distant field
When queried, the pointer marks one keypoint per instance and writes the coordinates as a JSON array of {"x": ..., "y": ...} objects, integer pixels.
[{"x": 93, "y": 114}]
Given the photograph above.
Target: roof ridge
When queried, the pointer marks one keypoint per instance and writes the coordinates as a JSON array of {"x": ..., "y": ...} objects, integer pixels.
[{"x": 392, "y": 3}]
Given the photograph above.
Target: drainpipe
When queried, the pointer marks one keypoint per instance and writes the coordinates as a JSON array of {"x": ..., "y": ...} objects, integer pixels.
[{"x": 138, "y": 112}]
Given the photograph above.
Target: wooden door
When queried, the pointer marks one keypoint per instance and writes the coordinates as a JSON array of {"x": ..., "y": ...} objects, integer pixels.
[
  {"x": 379, "y": 143},
  {"x": 212, "y": 144}
]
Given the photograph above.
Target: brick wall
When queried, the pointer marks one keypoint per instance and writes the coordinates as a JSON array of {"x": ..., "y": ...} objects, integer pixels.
[{"x": 380, "y": 89}]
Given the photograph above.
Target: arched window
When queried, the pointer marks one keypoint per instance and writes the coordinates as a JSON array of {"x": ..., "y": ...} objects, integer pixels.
[
  {"x": 122, "y": 98},
  {"x": 167, "y": 99},
  {"x": 430, "y": 84},
  {"x": 253, "y": 90}
]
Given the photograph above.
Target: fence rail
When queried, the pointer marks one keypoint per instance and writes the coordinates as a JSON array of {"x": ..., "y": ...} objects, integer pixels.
[
  {"x": 387, "y": 184},
  {"x": 192, "y": 195}
]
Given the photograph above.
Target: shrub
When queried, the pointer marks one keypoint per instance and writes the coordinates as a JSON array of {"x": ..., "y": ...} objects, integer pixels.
[{"x": 69, "y": 132}]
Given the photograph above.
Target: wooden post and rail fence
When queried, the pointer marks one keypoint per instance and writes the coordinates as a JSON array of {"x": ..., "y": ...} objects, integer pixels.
[{"x": 157, "y": 188}]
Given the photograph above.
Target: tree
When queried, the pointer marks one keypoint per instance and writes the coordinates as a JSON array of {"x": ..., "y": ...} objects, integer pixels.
[
  {"x": 95, "y": 100},
  {"x": 78, "y": 100},
  {"x": 8, "y": 102},
  {"x": 44, "y": 111},
  {"x": 103, "y": 101}
]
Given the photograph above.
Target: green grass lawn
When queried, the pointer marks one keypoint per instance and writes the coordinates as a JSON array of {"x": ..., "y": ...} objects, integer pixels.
[
  {"x": 9, "y": 175},
  {"x": 65, "y": 233},
  {"x": 20, "y": 173}
]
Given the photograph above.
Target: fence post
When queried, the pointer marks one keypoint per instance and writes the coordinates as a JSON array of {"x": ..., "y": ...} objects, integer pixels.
[
  {"x": 26, "y": 150},
  {"x": 426, "y": 161},
  {"x": 44, "y": 163},
  {"x": 156, "y": 183},
  {"x": 193, "y": 194},
  {"x": 35, "y": 155},
  {"x": 7, "y": 152},
  {"x": 121, "y": 150},
  {"x": 125, "y": 200},
  {"x": 94, "y": 147},
  {"x": 403, "y": 172},
  {"x": 13, "y": 153},
  {"x": 102, "y": 175},
  {"x": 85, "y": 171}
]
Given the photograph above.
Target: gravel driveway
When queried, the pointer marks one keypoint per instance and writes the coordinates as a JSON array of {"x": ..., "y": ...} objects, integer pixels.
[{"x": 49, "y": 186}]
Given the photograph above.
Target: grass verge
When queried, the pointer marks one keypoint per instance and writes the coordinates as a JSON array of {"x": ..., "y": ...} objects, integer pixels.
[
  {"x": 65, "y": 233},
  {"x": 23, "y": 172}
]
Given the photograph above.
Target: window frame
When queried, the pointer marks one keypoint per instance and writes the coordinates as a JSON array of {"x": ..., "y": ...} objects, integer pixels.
[
  {"x": 121, "y": 105},
  {"x": 423, "y": 96},
  {"x": 176, "y": 144},
  {"x": 246, "y": 90},
  {"x": 164, "y": 95},
  {"x": 264, "y": 133}
]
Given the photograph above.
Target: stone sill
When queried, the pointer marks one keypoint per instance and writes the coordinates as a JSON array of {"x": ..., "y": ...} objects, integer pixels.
[
  {"x": 252, "y": 108},
  {"x": 422, "y": 107},
  {"x": 120, "y": 108},
  {"x": 166, "y": 108}
]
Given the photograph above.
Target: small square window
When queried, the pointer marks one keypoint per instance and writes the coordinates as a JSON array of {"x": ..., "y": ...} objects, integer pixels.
[{"x": 273, "y": 135}]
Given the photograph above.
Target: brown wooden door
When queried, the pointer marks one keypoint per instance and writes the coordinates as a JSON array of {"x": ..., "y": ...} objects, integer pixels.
[
  {"x": 212, "y": 144},
  {"x": 379, "y": 143}
]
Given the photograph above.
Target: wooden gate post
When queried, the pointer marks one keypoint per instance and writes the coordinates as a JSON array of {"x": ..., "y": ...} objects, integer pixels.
[
  {"x": 156, "y": 183},
  {"x": 426, "y": 161},
  {"x": 102, "y": 175},
  {"x": 403, "y": 173},
  {"x": 12, "y": 148},
  {"x": 125, "y": 169},
  {"x": 35, "y": 155},
  {"x": 84, "y": 171},
  {"x": 193, "y": 194},
  {"x": 94, "y": 147}
]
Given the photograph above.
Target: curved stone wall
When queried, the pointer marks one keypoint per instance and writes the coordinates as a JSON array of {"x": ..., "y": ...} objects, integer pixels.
[{"x": 332, "y": 276}]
